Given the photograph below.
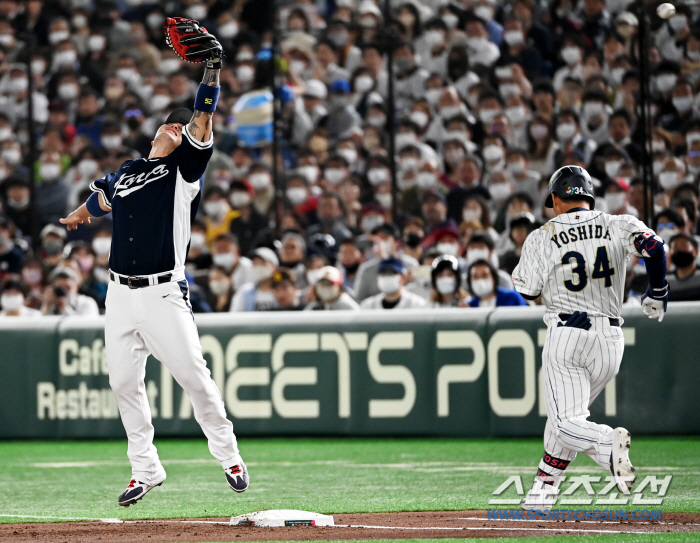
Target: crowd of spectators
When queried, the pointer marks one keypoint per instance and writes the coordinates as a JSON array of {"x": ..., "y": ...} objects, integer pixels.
[{"x": 490, "y": 98}]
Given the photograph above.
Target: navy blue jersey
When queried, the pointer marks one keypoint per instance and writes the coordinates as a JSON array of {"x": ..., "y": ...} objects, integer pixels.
[{"x": 153, "y": 202}]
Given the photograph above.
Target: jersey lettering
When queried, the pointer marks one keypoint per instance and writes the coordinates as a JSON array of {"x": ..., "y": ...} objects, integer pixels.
[
  {"x": 576, "y": 234},
  {"x": 131, "y": 183}
]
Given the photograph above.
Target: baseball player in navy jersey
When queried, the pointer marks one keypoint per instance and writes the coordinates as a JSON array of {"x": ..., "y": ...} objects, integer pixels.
[
  {"x": 576, "y": 262},
  {"x": 153, "y": 202}
]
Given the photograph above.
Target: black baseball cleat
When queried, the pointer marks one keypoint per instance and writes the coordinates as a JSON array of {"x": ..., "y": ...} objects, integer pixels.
[
  {"x": 237, "y": 477},
  {"x": 134, "y": 492}
]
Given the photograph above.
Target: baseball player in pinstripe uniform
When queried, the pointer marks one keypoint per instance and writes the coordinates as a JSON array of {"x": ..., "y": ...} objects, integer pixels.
[
  {"x": 576, "y": 262},
  {"x": 152, "y": 202}
]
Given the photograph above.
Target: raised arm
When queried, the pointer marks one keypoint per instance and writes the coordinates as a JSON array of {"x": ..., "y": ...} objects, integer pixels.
[
  {"x": 200, "y": 126},
  {"x": 93, "y": 207}
]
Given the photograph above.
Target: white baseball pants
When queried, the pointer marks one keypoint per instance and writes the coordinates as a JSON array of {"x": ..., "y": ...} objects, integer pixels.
[
  {"x": 158, "y": 320},
  {"x": 577, "y": 366}
]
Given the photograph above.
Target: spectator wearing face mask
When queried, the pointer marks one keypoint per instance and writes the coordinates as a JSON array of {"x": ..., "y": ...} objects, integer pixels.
[
  {"x": 350, "y": 257},
  {"x": 445, "y": 239},
  {"x": 12, "y": 301},
  {"x": 542, "y": 146},
  {"x": 446, "y": 277},
  {"x": 481, "y": 247},
  {"x": 516, "y": 50},
  {"x": 258, "y": 295},
  {"x": 482, "y": 283},
  {"x": 218, "y": 214},
  {"x": 220, "y": 289},
  {"x": 247, "y": 221},
  {"x": 11, "y": 254},
  {"x": 391, "y": 278},
  {"x": 198, "y": 256},
  {"x": 685, "y": 280},
  {"x": 260, "y": 179},
  {"x": 17, "y": 197},
  {"x": 617, "y": 198},
  {"x": 330, "y": 293},
  {"x": 51, "y": 192},
  {"x": 52, "y": 241},
  {"x": 385, "y": 239},
  {"x": 594, "y": 116},
  {"x": 342, "y": 117},
  {"x": 571, "y": 53},
  {"x": 413, "y": 237},
  {"x": 226, "y": 254},
  {"x": 410, "y": 77},
  {"x": 61, "y": 297},
  {"x": 292, "y": 253}
]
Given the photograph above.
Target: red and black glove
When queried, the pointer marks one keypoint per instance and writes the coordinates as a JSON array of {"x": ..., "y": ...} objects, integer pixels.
[{"x": 192, "y": 42}]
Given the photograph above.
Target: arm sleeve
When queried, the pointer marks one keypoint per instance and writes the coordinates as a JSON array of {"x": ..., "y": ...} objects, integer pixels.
[
  {"x": 631, "y": 227},
  {"x": 105, "y": 187},
  {"x": 528, "y": 275},
  {"x": 193, "y": 156}
]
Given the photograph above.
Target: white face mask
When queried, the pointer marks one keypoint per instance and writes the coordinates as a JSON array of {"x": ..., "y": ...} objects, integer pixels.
[
  {"x": 477, "y": 254},
  {"x": 245, "y": 73},
  {"x": 385, "y": 200},
  {"x": 409, "y": 164},
  {"x": 57, "y": 36},
  {"x": 111, "y": 142},
  {"x": 433, "y": 38},
  {"x": 96, "y": 43},
  {"x": 471, "y": 215},
  {"x": 403, "y": 139},
  {"x": 665, "y": 82},
  {"x": 377, "y": 176},
  {"x": 334, "y": 175},
  {"x": 487, "y": 116},
  {"x": 101, "y": 245},
  {"x": 513, "y": 37},
  {"x": 228, "y": 30},
  {"x": 616, "y": 75},
  {"x": 445, "y": 285},
  {"x": 482, "y": 287},
  {"x": 66, "y": 58},
  {"x": 682, "y": 103},
  {"x": 38, "y": 67},
  {"x": 477, "y": 44},
  {"x": 239, "y": 199},
  {"x": 310, "y": 172},
  {"x": 433, "y": 96},
  {"x": 260, "y": 273},
  {"x": 451, "y": 249},
  {"x": 18, "y": 85},
  {"x": 420, "y": 118},
  {"x": 493, "y": 152},
  {"x": 348, "y": 154},
  {"x": 612, "y": 167},
  {"x": 591, "y": 110},
  {"x": 508, "y": 89},
  {"x": 169, "y": 66},
  {"x": 516, "y": 167},
  {"x": 296, "y": 195},
  {"x": 197, "y": 240},
  {"x": 516, "y": 114},
  {"x": 68, "y": 91},
  {"x": 668, "y": 180},
  {"x": 363, "y": 83},
  {"x": 500, "y": 191},
  {"x": 485, "y": 12},
  {"x": 327, "y": 293},
  {"x": 159, "y": 101},
  {"x": 426, "y": 180},
  {"x": 5, "y": 134},
  {"x": 226, "y": 260},
  {"x": 566, "y": 131},
  {"x": 571, "y": 55},
  {"x": 49, "y": 171},
  {"x": 218, "y": 287},
  {"x": 11, "y": 302},
  {"x": 88, "y": 167},
  {"x": 615, "y": 200},
  {"x": 389, "y": 284},
  {"x": 12, "y": 156},
  {"x": 215, "y": 208},
  {"x": 447, "y": 112},
  {"x": 260, "y": 181},
  {"x": 196, "y": 12}
]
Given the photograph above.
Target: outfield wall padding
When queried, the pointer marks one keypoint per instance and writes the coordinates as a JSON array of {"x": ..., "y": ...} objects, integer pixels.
[{"x": 442, "y": 372}]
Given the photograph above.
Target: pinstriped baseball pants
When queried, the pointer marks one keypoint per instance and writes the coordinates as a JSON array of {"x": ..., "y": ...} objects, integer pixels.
[{"x": 577, "y": 366}]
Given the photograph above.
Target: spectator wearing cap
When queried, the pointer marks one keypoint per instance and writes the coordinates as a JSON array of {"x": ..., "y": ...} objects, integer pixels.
[
  {"x": 247, "y": 221},
  {"x": 314, "y": 98},
  {"x": 61, "y": 297},
  {"x": 385, "y": 244},
  {"x": 521, "y": 225},
  {"x": 617, "y": 198},
  {"x": 285, "y": 291},
  {"x": 391, "y": 278},
  {"x": 410, "y": 78},
  {"x": 446, "y": 278},
  {"x": 52, "y": 241},
  {"x": 445, "y": 239},
  {"x": 685, "y": 280},
  {"x": 482, "y": 281},
  {"x": 226, "y": 253},
  {"x": 11, "y": 254},
  {"x": 292, "y": 253},
  {"x": 12, "y": 297},
  {"x": 257, "y": 295},
  {"x": 371, "y": 216},
  {"x": 342, "y": 117},
  {"x": 329, "y": 292}
]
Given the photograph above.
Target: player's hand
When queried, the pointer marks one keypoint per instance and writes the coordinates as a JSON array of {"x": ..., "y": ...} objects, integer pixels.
[
  {"x": 655, "y": 302},
  {"x": 74, "y": 219},
  {"x": 578, "y": 319}
]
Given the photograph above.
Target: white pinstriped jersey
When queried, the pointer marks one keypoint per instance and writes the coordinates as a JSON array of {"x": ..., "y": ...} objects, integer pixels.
[{"x": 578, "y": 261}]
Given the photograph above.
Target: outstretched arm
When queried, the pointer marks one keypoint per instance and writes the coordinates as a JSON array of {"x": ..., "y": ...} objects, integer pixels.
[
  {"x": 200, "y": 126},
  {"x": 86, "y": 211}
]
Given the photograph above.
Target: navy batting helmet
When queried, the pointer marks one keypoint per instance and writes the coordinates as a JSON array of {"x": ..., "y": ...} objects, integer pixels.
[{"x": 571, "y": 182}]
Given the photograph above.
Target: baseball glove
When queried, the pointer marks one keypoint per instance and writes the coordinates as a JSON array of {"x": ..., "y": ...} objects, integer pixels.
[{"x": 192, "y": 42}]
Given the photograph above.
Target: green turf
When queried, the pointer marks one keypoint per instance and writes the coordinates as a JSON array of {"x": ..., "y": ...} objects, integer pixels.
[{"x": 323, "y": 475}]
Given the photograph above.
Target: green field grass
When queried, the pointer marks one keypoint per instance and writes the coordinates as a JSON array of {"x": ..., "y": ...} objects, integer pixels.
[{"x": 75, "y": 480}]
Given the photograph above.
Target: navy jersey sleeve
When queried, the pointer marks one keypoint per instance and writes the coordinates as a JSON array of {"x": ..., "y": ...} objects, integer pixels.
[
  {"x": 193, "y": 156},
  {"x": 105, "y": 187}
]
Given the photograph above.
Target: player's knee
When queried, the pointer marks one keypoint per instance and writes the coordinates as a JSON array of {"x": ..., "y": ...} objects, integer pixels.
[{"x": 122, "y": 383}]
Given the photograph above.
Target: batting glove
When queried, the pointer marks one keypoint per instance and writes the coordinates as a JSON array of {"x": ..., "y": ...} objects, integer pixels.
[
  {"x": 655, "y": 301},
  {"x": 578, "y": 319}
]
